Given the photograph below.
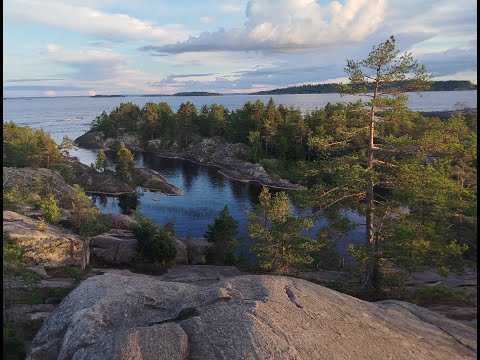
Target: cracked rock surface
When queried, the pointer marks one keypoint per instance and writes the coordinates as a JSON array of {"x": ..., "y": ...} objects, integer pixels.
[{"x": 258, "y": 317}]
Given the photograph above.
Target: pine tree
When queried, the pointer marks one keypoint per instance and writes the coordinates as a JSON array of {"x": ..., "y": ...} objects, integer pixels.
[
  {"x": 101, "y": 163},
  {"x": 125, "y": 164},
  {"x": 279, "y": 244},
  {"x": 222, "y": 234}
]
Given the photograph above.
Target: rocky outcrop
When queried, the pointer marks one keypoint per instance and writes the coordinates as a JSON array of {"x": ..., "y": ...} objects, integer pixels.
[
  {"x": 152, "y": 180},
  {"x": 91, "y": 140},
  {"x": 103, "y": 183},
  {"x": 97, "y": 140},
  {"x": 131, "y": 142},
  {"x": 119, "y": 247},
  {"x": 196, "y": 249},
  {"x": 246, "y": 317},
  {"x": 39, "y": 182},
  {"x": 119, "y": 221},
  {"x": 231, "y": 158},
  {"x": 114, "y": 247},
  {"x": 51, "y": 247}
]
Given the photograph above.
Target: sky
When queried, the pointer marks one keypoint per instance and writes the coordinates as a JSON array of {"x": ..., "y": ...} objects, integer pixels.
[{"x": 88, "y": 47}]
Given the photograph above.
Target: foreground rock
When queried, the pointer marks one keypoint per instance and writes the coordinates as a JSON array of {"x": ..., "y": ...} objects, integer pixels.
[
  {"x": 51, "y": 247},
  {"x": 196, "y": 249},
  {"x": 115, "y": 247},
  {"x": 246, "y": 317},
  {"x": 118, "y": 246}
]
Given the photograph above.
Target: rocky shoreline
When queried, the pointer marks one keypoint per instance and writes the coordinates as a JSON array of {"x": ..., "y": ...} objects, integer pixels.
[{"x": 229, "y": 158}]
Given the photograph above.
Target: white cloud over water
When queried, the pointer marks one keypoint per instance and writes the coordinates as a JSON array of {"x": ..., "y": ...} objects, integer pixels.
[{"x": 289, "y": 25}]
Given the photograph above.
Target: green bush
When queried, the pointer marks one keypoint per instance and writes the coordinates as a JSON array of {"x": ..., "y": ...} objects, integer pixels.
[
  {"x": 86, "y": 219},
  {"x": 154, "y": 244},
  {"x": 13, "y": 344},
  {"x": 50, "y": 210}
]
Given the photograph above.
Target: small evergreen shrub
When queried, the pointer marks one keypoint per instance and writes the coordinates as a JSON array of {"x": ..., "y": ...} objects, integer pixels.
[{"x": 154, "y": 244}]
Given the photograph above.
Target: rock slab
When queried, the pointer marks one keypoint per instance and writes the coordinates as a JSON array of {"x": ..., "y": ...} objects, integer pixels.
[
  {"x": 246, "y": 317},
  {"x": 52, "y": 247}
]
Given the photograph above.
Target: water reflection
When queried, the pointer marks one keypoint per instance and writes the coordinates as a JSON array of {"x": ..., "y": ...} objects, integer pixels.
[{"x": 128, "y": 203}]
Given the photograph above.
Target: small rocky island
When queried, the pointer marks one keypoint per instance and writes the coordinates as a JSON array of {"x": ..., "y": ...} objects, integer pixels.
[{"x": 229, "y": 158}]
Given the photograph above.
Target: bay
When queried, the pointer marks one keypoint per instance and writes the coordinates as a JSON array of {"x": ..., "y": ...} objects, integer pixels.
[{"x": 206, "y": 192}]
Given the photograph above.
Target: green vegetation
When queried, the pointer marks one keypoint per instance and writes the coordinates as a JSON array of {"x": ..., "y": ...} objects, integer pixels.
[
  {"x": 450, "y": 85},
  {"x": 23, "y": 146},
  {"x": 279, "y": 243},
  {"x": 154, "y": 244},
  {"x": 67, "y": 145},
  {"x": 196, "y": 93},
  {"x": 13, "y": 344},
  {"x": 101, "y": 162},
  {"x": 411, "y": 177},
  {"x": 50, "y": 210},
  {"x": 125, "y": 164},
  {"x": 86, "y": 219},
  {"x": 222, "y": 234}
]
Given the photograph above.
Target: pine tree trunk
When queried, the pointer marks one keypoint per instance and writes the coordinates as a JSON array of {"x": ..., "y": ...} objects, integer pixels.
[{"x": 371, "y": 241}]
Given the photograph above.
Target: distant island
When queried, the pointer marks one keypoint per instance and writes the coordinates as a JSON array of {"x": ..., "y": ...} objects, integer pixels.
[
  {"x": 102, "y": 96},
  {"x": 196, "y": 93},
  {"x": 449, "y": 85}
]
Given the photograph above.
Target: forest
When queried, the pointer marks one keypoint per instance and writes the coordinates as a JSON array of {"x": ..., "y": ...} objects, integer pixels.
[{"x": 449, "y": 85}]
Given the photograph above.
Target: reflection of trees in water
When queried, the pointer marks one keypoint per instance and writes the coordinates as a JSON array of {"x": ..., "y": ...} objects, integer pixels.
[
  {"x": 189, "y": 173},
  {"x": 239, "y": 190},
  {"x": 216, "y": 179},
  {"x": 128, "y": 203},
  {"x": 190, "y": 213}
]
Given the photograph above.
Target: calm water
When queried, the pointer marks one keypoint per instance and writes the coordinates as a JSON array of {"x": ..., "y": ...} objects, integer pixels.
[{"x": 206, "y": 192}]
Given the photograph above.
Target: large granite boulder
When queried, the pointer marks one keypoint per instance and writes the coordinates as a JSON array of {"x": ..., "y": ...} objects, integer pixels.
[
  {"x": 114, "y": 247},
  {"x": 119, "y": 221},
  {"x": 51, "y": 247},
  {"x": 196, "y": 248},
  {"x": 247, "y": 317}
]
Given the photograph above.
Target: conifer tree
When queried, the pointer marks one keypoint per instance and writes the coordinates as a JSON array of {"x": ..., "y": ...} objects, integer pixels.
[
  {"x": 125, "y": 164},
  {"x": 222, "y": 234}
]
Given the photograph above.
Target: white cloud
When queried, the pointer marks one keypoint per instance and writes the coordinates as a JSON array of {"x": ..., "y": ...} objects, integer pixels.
[
  {"x": 290, "y": 25},
  {"x": 230, "y": 8},
  {"x": 88, "y": 20},
  {"x": 94, "y": 65},
  {"x": 206, "y": 20},
  {"x": 50, "y": 93},
  {"x": 53, "y": 48}
]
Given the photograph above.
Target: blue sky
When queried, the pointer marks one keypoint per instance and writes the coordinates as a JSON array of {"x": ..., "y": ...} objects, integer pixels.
[{"x": 86, "y": 47}]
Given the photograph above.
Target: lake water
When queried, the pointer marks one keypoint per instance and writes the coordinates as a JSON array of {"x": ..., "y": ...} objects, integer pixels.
[{"x": 206, "y": 192}]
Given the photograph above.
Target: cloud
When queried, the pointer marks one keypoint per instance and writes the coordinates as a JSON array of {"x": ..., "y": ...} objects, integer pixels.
[
  {"x": 230, "y": 8},
  {"x": 32, "y": 80},
  {"x": 94, "y": 65},
  {"x": 50, "y": 93},
  {"x": 289, "y": 25},
  {"x": 206, "y": 20},
  {"x": 53, "y": 47},
  {"x": 88, "y": 20},
  {"x": 42, "y": 88}
]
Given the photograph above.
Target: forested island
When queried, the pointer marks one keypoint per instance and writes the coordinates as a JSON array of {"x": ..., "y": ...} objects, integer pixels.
[
  {"x": 196, "y": 93},
  {"x": 106, "y": 96},
  {"x": 450, "y": 85}
]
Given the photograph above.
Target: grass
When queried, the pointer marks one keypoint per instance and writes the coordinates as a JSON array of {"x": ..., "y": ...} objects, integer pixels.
[{"x": 439, "y": 295}]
